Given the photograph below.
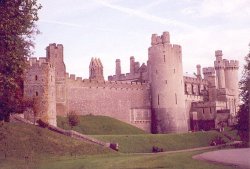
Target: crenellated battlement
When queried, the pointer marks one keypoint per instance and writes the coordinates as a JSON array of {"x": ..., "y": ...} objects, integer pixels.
[
  {"x": 208, "y": 71},
  {"x": 55, "y": 46},
  {"x": 74, "y": 81},
  {"x": 163, "y": 39},
  {"x": 41, "y": 61},
  {"x": 195, "y": 80},
  {"x": 218, "y": 53},
  {"x": 232, "y": 64}
]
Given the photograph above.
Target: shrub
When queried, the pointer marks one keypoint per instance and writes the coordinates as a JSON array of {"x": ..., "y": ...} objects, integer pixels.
[
  {"x": 73, "y": 119},
  {"x": 156, "y": 149}
]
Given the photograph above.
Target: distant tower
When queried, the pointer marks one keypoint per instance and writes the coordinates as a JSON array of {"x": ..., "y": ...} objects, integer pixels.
[
  {"x": 117, "y": 67},
  {"x": 219, "y": 67},
  {"x": 96, "y": 69},
  {"x": 231, "y": 82},
  {"x": 198, "y": 73},
  {"x": 132, "y": 65},
  {"x": 167, "y": 86},
  {"x": 39, "y": 86},
  {"x": 55, "y": 56},
  {"x": 209, "y": 75}
]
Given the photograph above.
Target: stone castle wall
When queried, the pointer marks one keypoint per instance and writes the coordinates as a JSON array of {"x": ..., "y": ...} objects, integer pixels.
[
  {"x": 39, "y": 87},
  {"x": 125, "y": 101},
  {"x": 165, "y": 102}
]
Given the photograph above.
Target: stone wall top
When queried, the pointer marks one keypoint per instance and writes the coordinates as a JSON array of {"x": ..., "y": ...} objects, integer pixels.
[
  {"x": 232, "y": 64},
  {"x": 80, "y": 82},
  {"x": 195, "y": 80}
]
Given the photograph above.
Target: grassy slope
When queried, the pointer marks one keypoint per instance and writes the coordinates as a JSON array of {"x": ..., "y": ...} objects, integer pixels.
[
  {"x": 144, "y": 143},
  {"x": 153, "y": 161},
  {"x": 20, "y": 140},
  {"x": 94, "y": 125}
]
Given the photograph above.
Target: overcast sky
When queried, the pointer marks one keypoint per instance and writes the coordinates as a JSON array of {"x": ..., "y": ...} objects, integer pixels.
[{"x": 111, "y": 29}]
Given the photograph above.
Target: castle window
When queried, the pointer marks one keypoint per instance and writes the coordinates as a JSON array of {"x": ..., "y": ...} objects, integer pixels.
[
  {"x": 36, "y": 93},
  {"x": 158, "y": 99},
  {"x": 166, "y": 81},
  {"x": 36, "y": 78},
  {"x": 175, "y": 98},
  {"x": 164, "y": 58}
]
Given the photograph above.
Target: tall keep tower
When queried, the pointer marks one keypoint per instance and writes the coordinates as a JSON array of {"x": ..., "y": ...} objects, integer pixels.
[
  {"x": 55, "y": 57},
  {"x": 219, "y": 67},
  {"x": 167, "y": 86}
]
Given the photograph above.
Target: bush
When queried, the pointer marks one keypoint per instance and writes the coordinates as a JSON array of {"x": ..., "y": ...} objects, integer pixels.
[
  {"x": 217, "y": 141},
  {"x": 73, "y": 119},
  {"x": 156, "y": 149}
]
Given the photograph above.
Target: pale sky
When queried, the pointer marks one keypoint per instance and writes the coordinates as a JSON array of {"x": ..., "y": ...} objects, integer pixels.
[{"x": 111, "y": 29}]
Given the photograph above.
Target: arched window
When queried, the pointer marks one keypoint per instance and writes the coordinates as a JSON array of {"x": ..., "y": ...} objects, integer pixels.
[
  {"x": 36, "y": 78},
  {"x": 36, "y": 93}
]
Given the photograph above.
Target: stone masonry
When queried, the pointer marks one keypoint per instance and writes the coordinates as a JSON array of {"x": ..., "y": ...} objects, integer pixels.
[{"x": 155, "y": 97}]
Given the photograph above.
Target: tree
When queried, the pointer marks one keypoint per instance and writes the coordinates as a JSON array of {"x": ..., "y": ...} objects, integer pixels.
[
  {"x": 73, "y": 119},
  {"x": 243, "y": 115},
  {"x": 17, "y": 30}
]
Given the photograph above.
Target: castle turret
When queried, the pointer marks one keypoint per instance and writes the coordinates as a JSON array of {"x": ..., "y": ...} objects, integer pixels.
[
  {"x": 132, "y": 65},
  {"x": 209, "y": 75},
  {"x": 117, "y": 67},
  {"x": 231, "y": 74},
  {"x": 39, "y": 87},
  {"x": 198, "y": 74},
  {"x": 231, "y": 81},
  {"x": 96, "y": 69},
  {"x": 167, "y": 86},
  {"x": 56, "y": 58},
  {"x": 219, "y": 67}
]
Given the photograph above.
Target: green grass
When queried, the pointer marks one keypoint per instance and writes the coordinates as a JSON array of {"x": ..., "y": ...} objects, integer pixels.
[
  {"x": 20, "y": 140},
  {"x": 144, "y": 143},
  {"x": 119, "y": 161},
  {"x": 96, "y": 125},
  {"x": 154, "y": 161}
]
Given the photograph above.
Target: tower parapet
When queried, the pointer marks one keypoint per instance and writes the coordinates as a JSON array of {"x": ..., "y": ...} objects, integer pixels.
[
  {"x": 163, "y": 39},
  {"x": 166, "y": 78},
  {"x": 219, "y": 67}
]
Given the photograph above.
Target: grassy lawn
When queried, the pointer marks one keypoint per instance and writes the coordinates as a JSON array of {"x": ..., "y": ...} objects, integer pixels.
[
  {"x": 170, "y": 161},
  {"x": 144, "y": 143},
  {"x": 94, "y": 125},
  {"x": 21, "y": 140},
  {"x": 123, "y": 161}
]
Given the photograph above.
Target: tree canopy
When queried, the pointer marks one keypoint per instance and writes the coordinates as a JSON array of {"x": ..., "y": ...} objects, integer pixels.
[
  {"x": 243, "y": 114},
  {"x": 17, "y": 31}
]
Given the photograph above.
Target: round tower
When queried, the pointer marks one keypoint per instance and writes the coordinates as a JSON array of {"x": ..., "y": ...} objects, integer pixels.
[
  {"x": 231, "y": 81},
  {"x": 167, "y": 87},
  {"x": 231, "y": 74},
  {"x": 39, "y": 87},
  {"x": 118, "y": 67},
  {"x": 219, "y": 67}
]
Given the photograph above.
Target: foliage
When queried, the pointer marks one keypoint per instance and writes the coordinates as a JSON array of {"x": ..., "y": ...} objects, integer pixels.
[
  {"x": 93, "y": 125},
  {"x": 73, "y": 119},
  {"x": 17, "y": 30},
  {"x": 243, "y": 115}
]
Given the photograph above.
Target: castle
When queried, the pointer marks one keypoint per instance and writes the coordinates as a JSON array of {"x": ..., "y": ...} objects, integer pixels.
[{"x": 155, "y": 97}]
